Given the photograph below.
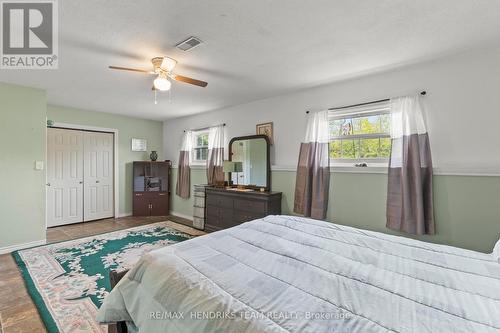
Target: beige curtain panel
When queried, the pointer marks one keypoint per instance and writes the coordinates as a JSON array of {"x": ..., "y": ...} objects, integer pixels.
[
  {"x": 215, "y": 158},
  {"x": 313, "y": 169},
  {"x": 409, "y": 197},
  {"x": 183, "y": 186}
]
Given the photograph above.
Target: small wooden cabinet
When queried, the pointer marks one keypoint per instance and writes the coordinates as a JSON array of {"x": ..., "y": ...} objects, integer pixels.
[
  {"x": 151, "y": 188},
  {"x": 227, "y": 208}
]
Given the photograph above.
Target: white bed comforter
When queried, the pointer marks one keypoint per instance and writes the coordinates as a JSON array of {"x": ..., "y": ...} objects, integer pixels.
[{"x": 291, "y": 274}]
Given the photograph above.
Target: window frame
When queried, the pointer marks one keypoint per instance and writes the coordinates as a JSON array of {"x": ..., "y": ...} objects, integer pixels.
[
  {"x": 374, "y": 109},
  {"x": 195, "y": 146}
]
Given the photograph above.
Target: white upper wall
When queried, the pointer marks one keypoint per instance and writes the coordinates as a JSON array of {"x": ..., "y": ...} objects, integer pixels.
[{"x": 463, "y": 111}]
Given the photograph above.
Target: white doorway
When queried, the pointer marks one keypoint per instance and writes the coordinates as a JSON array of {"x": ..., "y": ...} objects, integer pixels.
[{"x": 80, "y": 176}]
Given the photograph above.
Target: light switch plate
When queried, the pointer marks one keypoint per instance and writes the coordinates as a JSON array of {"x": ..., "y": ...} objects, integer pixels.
[{"x": 38, "y": 165}]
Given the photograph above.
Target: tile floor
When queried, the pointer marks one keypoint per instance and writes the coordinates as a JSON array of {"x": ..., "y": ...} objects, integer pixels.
[{"x": 17, "y": 311}]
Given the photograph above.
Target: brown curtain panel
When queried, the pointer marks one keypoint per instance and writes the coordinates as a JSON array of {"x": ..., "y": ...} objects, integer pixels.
[
  {"x": 409, "y": 191},
  {"x": 215, "y": 158},
  {"x": 183, "y": 186},
  {"x": 312, "y": 182},
  {"x": 183, "y": 176},
  {"x": 313, "y": 170},
  {"x": 214, "y": 170}
]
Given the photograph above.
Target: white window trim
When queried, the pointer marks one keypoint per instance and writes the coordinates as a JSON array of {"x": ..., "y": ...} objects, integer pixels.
[
  {"x": 370, "y": 162},
  {"x": 378, "y": 169},
  {"x": 362, "y": 111},
  {"x": 195, "y": 162}
]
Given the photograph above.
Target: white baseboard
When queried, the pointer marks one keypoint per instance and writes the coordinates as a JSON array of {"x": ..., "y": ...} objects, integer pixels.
[
  {"x": 123, "y": 215},
  {"x": 12, "y": 248},
  {"x": 184, "y": 216}
]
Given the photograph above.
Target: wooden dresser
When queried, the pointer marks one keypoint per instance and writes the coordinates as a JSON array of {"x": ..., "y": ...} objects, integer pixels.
[{"x": 227, "y": 208}]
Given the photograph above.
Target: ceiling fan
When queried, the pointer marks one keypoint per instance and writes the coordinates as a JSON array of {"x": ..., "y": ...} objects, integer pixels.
[{"x": 163, "y": 67}]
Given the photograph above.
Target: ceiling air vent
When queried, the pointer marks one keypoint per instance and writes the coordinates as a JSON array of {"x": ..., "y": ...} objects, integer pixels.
[{"x": 189, "y": 44}]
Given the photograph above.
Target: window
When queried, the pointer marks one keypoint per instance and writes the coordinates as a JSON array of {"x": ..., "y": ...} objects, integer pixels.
[
  {"x": 200, "y": 147},
  {"x": 360, "y": 134}
]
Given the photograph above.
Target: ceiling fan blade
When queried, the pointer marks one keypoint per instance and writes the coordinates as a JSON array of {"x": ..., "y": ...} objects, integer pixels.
[
  {"x": 189, "y": 80},
  {"x": 131, "y": 69}
]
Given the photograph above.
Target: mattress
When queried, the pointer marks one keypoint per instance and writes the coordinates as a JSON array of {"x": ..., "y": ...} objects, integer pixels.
[{"x": 293, "y": 274}]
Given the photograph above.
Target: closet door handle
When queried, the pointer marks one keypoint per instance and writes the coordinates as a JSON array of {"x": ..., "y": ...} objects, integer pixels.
[
  {"x": 48, "y": 184},
  {"x": 80, "y": 182},
  {"x": 97, "y": 182}
]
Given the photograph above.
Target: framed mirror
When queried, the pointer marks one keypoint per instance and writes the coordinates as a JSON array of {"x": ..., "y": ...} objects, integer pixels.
[{"x": 252, "y": 164}]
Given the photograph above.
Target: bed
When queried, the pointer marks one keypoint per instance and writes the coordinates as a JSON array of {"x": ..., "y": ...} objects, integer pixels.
[{"x": 293, "y": 274}]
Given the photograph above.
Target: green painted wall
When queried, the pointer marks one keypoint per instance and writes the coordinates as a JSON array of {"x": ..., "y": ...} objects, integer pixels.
[
  {"x": 467, "y": 209},
  {"x": 128, "y": 128},
  {"x": 22, "y": 142},
  {"x": 185, "y": 206}
]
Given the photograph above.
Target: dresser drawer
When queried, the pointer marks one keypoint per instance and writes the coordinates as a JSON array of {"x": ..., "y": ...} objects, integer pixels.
[
  {"x": 219, "y": 201},
  {"x": 199, "y": 222},
  {"x": 241, "y": 216},
  {"x": 199, "y": 202},
  {"x": 218, "y": 211},
  {"x": 199, "y": 212},
  {"x": 220, "y": 217},
  {"x": 250, "y": 205},
  {"x": 212, "y": 224},
  {"x": 213, "y": 211},
  {"x": 226, "y": 209}
]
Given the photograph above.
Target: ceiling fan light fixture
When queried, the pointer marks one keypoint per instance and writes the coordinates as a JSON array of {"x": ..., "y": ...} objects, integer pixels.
[
  {"x": 163, "y": 69},
  {"x": 161, "y": 83},
  {"x": 168, "y": 64}
]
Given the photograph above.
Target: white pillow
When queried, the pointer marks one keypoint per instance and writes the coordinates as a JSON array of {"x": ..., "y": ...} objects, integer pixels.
[{"x": 496, "y": 251}]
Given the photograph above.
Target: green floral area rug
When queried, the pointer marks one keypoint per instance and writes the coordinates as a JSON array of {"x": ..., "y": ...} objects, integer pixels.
[{"x": 68, "y": 281}]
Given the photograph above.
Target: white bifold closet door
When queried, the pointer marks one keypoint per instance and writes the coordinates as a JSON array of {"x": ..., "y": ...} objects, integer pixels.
[
  {"x": 64, "y": 176},
  {"x": 98, "y": 176},
  {"x": 79, "y": 176}
]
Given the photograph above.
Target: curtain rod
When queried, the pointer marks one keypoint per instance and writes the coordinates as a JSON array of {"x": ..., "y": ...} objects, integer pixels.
[
  {"x": 423, "y": 93},
  {"x": 204, "y": 128}
]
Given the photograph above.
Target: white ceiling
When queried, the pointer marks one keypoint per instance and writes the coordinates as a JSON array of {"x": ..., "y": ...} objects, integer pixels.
[{"x": 253, "y": 49}]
